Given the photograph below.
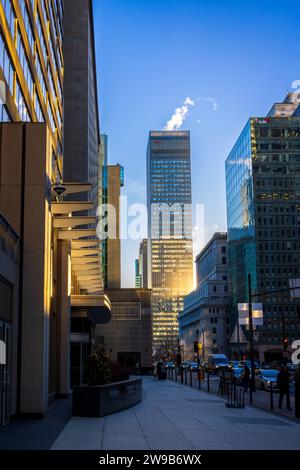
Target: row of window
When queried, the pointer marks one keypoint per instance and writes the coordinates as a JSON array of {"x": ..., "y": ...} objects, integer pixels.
[
  {"x": 8, "y": 69},
  {"x": 279, "y": 157},
  {"x": 278, "y": 221},
  {"x": 276, "y": 132}
]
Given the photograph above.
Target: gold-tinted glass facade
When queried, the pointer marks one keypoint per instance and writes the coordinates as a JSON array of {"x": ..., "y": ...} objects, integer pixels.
[
  {"x": 31, "y": 67},
  {"x": 170, "y": 231}
]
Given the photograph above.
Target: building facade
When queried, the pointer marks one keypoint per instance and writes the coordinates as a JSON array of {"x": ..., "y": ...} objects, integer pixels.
[
  {"x": 81, "y": 123},
  {"x": 31, "y": 84},
  {"x": 169, "y": 200},
  {"x": 263, "y": 205},
  {"x": 128, "y": 337},
  {"x": 141, "y": 266},
  {"x": 205, "y": 317}
]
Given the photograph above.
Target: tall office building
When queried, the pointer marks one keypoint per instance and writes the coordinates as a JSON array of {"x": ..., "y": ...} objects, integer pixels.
[
  {"x": 169, "y": 199},
  {"x": 32, "y": 66},
  {"x": 81, "y": 123},
  {"x": 33, "y": 261},
  {"x": 141, "y": 266},
  {"x": 263, "y": 206},
  {"x": 205, "y": 317}
]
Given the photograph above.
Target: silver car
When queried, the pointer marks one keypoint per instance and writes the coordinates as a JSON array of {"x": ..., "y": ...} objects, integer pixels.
[{"x": 265, "y": 377}]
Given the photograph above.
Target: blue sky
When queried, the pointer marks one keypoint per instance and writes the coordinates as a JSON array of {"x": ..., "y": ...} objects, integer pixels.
[{"x": 151, "y": 55}]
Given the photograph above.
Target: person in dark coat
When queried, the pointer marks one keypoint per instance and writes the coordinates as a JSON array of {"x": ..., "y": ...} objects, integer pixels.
[
  {"x": 246, "y": 378},
  {"x": 283, "y": 382}
]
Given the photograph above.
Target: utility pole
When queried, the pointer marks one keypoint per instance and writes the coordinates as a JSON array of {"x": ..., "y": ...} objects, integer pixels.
[{"x": 252, "y": 382}]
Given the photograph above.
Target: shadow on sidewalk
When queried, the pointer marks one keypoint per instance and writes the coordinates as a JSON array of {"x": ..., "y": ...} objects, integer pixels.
[{"x": 37, "y": 434}]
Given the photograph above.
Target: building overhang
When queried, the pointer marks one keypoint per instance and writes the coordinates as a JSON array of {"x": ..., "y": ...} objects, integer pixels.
[
  {"x": 72, "y": 222},
  {"x": 95, "y": 307}
]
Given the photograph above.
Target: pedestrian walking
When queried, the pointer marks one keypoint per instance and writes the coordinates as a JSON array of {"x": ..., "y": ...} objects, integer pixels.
[
  {"x": 246, "y": 378},
  {"x": 283, "y": 382}
]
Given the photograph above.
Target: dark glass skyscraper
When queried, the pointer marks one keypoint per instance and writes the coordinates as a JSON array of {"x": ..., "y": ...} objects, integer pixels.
[
  {"x": 169, "y": 195},
  {"x": 263, "y": 206}
]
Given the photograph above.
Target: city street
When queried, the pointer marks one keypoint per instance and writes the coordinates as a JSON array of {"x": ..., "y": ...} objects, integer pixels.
[{"x": 173, "y": 416}]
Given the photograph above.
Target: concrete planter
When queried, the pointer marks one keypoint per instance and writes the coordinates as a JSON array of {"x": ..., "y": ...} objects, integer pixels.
[{"x": 102, "y": 400}]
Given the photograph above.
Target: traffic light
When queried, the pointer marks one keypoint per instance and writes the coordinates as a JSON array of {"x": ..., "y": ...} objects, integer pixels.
[{"x": 285, "y": 344}]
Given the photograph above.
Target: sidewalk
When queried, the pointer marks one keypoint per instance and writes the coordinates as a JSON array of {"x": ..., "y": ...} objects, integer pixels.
[
  {"x": 37, "y": 434},
  {"x": 176, "y": 417}
]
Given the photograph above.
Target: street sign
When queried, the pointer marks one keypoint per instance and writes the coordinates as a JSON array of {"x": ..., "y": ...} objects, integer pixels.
[
  {"x": 238, "y": 336},
  {"x": 257, "y": 314},
  {"x": 2, "y": 353}
]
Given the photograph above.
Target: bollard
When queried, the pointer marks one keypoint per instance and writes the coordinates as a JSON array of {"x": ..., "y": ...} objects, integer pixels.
[
  {"x": 185, "y": 376},
  {"x": 271, "y": 397},
  {"x": 181, "y": 374},
  {"x": 199, "y": 379},
  {"x": 208, "y": 384},
  {"x": 251, "y": 393},
  {"x": 191, "y": 378}
]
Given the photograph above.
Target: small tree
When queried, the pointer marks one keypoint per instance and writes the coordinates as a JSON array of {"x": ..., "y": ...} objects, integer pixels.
[{"x": 98, "y": 367}]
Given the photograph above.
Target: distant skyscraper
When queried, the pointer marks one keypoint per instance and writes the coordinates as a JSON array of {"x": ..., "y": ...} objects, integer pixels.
[
  {"x": 263, "y": 207},
  {"x": 169, "y": 199},
  {"x": 141, "y": 266},
  {"x": 137, "y": 274}
]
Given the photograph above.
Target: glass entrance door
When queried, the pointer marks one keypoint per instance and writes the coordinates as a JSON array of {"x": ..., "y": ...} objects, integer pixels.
[{"x": 5, "y": 373}]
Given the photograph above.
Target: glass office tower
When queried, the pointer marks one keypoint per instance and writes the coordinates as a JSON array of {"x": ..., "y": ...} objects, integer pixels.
[
  {"x": 263, "y": 206},
  {"x": 170, "y": 231}
]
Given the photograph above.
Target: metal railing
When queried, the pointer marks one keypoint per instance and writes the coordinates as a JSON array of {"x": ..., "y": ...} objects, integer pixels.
[{"x": 234, "y": 392}]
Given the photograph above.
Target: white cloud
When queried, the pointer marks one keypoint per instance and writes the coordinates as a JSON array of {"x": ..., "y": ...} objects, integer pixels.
[
  {"x": 209, "y": 99},
  {"x": 179, "y": 115}
]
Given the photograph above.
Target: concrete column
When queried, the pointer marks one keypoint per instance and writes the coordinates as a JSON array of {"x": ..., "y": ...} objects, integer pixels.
[{"x": 64, "y": 313}]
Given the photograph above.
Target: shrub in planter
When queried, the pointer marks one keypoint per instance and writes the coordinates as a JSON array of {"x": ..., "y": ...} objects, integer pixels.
[
  {"x": 98, "y": 367},
  {"x": 118, "y": 373}
]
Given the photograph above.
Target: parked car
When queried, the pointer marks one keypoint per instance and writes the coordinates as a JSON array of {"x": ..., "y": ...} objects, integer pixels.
[
  {"x": 170, "y": 366},
  {"x": 234, "y": 364},
  {"x": 183, "y": 366},
  {"x": 264, "y": 378},
  {"x": 217, "y": 362},
  {"x": 193, "y": 366},
  {"x": 292, "y": 367},
  {"x": 248, "y": 363}
]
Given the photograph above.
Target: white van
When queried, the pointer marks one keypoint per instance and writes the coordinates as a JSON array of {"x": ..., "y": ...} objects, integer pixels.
[{"x": 216, "y": 362}]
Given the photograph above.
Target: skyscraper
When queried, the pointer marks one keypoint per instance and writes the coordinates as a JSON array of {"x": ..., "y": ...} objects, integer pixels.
[
  {"x": 31, "y": 112},
  {"x": 169, "y": 199},
  {"x": 263, "y": 207},
  {"x": 141, "y": 266},
  {"x": 81, "y": 123},
  {"x": 32, "y": 66}
]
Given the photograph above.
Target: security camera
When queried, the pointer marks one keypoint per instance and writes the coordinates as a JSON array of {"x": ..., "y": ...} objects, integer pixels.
[{"x": 59, "y": 190}]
